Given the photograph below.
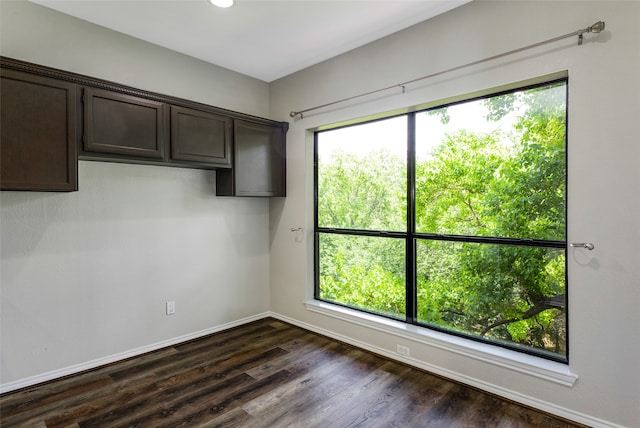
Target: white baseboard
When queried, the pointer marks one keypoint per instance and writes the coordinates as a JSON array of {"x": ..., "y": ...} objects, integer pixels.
[
  {"x": 493, "y": 389},
  {"x": 66, "y": 371},
  {"x": 485, "y": 386}
]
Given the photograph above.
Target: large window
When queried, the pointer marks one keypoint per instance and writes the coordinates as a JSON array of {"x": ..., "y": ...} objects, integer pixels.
[{"x": 452, "y": 218}]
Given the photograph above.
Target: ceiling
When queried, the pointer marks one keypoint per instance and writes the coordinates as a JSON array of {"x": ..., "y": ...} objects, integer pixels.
[{"x": 264, "y": 39}]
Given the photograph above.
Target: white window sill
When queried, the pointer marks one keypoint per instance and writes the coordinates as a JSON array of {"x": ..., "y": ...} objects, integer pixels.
[{"x": 516, "y": 361}]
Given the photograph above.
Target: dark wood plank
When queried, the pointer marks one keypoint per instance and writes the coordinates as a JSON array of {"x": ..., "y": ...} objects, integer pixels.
[
  {"x": 304, "y": 393},
  {"x": 263, "y": 374},
  {"x": 235, "y": 418},
  {"x": 181, "y": 387},
  {"x": 351, "y": 405},
  {"x": 451, "y": 407},
  {"x": 424, "y": 393}
]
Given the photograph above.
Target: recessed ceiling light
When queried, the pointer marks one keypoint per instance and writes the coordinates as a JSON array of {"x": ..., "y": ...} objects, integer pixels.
[{"x": 221, "y": 3}]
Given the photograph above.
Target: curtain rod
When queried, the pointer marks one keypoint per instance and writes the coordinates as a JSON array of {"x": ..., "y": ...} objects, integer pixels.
[{"x": 595, "y": 28}]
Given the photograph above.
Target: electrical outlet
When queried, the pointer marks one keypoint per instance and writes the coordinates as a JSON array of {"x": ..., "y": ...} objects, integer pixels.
[
  {"x": 171, "y": 307},
  {"x": 403, "y": 350}
]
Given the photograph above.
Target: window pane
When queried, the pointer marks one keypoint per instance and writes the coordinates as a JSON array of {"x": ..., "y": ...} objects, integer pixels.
[
  {"x": 494, "y": 167},
  {"x": 363, "y": 272},
  {"x": 503, "y": 293},
  {"x": 362, "y": 176}
]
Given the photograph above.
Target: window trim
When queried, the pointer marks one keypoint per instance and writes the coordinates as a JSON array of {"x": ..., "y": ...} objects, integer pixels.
[{"x": 411, "y": 237}]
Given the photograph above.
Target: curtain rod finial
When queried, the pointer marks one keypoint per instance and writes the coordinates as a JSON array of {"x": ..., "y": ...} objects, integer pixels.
[{"x": 597, "y": 27}]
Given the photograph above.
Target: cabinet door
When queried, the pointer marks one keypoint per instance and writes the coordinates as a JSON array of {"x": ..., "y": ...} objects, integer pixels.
[
  {"x": 200, "y": 137},
  {"x": 258, "y": 162},
  {"x": 123, "y": 125},
  {"x": 38, "y": 133}
]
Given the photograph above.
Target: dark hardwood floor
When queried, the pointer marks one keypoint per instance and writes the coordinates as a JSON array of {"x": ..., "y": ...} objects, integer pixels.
[{"x": 263, "y": 374}]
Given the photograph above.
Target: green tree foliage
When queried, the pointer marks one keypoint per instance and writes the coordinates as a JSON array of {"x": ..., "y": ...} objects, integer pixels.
[
  {"x": 364, "y": 272},
  {"x": 498, "y": 184},
  {"x": 451, "y": 188},
  {"x": 362, "y": 192}
]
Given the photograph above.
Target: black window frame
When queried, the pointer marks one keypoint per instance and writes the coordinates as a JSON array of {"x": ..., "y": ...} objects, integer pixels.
[{"x": 411, "y": 237}]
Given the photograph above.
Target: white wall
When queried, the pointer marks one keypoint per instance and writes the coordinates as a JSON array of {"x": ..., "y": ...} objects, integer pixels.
[
  {"x": 85, "y": 275},
  {"x": 604, "y": 201}
]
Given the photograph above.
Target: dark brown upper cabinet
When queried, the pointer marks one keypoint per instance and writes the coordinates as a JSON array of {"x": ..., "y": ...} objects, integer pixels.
[
  {"x": 38, "y": 133},
  {"x": 51, "y": 118},
  {"x": 201, "y": 137},
  {"x": 259, "y": 167},
  {"x": 122, "y": 124}
]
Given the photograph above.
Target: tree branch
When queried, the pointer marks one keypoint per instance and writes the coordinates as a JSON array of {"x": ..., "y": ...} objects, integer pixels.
[
  {"x": 540, "y": 306},
  {"x": 473, "y": 212}
]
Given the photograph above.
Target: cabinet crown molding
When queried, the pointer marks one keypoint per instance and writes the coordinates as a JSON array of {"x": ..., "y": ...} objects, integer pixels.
[{"x": 83, "y": 80}]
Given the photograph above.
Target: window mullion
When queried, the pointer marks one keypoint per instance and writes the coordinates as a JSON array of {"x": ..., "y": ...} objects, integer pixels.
[{"x": 411, "y": 293}]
